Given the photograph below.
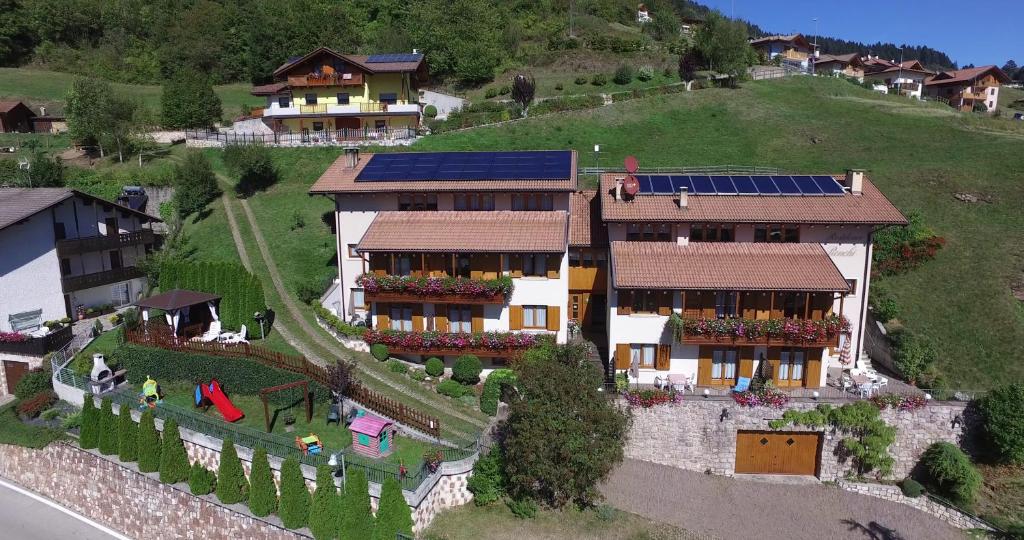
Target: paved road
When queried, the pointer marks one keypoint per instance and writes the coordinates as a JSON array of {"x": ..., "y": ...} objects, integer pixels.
[
  {"x": 737, "y": 508},
  {"x": 26, "y": 518}
]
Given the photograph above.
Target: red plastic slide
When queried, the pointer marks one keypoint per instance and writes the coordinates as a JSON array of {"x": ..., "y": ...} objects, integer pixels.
[{"x": 216, "y": 396}]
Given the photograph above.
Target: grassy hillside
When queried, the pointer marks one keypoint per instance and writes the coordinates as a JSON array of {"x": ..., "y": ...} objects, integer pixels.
[
  {"x": 920, "y": 154},
  {"x": 49, "y": 88}
]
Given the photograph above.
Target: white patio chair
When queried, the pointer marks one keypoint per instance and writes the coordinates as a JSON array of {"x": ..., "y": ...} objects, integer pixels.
[
  {"x": 232, "y": 338},
  {"x": 660, "y": 383},
  {"x": 213, "y": 334},
  {"x": 867, "y": 389},
  {"x": 882, "y": 382}
]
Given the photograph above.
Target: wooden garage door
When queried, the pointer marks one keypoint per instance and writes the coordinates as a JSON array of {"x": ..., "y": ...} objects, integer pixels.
[
  {"x": 14, "y": 371},
  {"x": 773, "y": 452}
]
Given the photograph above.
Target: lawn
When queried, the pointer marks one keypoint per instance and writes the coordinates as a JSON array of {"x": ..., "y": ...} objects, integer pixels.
[
  {"x": 1008, "y": 96},
  {"x": 13, "y": 431},
  {"x": 919, "y": 154},
  {"x": 498, "y": 523},
  {"x": 1001, "y": 498}
]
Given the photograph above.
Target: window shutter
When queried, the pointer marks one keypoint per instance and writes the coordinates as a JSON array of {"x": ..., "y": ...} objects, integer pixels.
[
  {"x": 417, "y": 318},
  {"x": 441, "y": 318},
  {"x": 554, "y": 264},
  {"x": 515, "y": 317},
  {"x": 663, "y": 359},
  {"x": 383, "y": 316},
  {"x": 622, "y": 356},
  {"x": 665, "y": 304},
  {"x": 746, "y": 362},
  {"x": 812, "y": 368},
  {"x": 554, "y": 313},
  {"x": 704, "y": 367},
  {"x": 625, "y": 303},
  {"x": 477, "y": 313}
]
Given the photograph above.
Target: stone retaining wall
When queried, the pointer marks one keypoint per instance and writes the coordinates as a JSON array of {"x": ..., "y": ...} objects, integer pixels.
[
  {"x": 950, "y": 515},
  {"x": 355, "y": 344},
  {"x": 693, "y": 435}
]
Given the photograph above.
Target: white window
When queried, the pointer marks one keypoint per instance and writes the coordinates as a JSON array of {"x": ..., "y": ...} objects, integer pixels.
[
  {"x": 642, "y": 354},
  {"x": 401, "y": 318},
  {"x": 358, "y": 299},
  {"x": 791, "y": 366},
  {"x": 725, "y": 304},
  {"x": 120, "y": 294},
  {"x": 535, "y": 264},
  {"x": 460, "y": 319},
  {"x": 723, "y": 365},
  {"x": 535, "y": 316},
  {"x": 28, "y": 320}
]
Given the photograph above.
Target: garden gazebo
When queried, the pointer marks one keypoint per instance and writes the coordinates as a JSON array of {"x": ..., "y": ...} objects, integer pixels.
[{"x": 183, "y": 308}]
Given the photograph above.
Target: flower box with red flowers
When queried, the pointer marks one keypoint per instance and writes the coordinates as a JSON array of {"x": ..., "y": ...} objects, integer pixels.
[
  {"x": 430, "y": 342},
  {"x": 823, "y": 332},
  {"x": 385, "y": 288}
]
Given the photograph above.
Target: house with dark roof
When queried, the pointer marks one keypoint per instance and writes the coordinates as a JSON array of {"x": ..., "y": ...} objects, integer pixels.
[
  {"x": 790, "y": 49},
  {"x": 905, "y": 78},
  {"x": 15, "y": 117},
  {"x": 62, "y": 251},
  {"x": 329, "y": 96},
  {"x": 968, "y": 89},
  {"x": 846, "y": 65}
]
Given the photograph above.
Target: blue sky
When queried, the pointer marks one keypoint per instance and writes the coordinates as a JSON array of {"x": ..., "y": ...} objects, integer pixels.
[{"x": 970, "y": 33}]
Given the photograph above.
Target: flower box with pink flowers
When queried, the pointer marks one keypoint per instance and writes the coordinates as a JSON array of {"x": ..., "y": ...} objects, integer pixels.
[{"x": 808, "y": 332}]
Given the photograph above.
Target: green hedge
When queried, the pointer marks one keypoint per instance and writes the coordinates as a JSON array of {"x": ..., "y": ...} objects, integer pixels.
[
  {"x": 492, "y": 389},
  {"x": 241, "y": 292},
  {"x": 237, "y": 375},
  {"x": 339, "y": 326}
]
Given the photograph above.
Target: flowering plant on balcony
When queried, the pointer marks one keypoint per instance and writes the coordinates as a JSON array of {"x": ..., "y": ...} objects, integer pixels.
[
  {"x": 436, "y": 286},
  {"x": 899, "y": 402},
  {"x": 650, "y": 397},
  {"x": 790, "y": 330},
  {"x": 767, "y": 396},
  {"x": 423, "y": 341},
  {"x": 13, "y": 337}
]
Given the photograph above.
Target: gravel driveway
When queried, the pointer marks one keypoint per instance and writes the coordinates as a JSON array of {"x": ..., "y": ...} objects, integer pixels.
[{"x": 739, "y": 508}]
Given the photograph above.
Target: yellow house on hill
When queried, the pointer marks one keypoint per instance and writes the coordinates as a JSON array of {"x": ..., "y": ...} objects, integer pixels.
[{"x": 326, "y": 95}]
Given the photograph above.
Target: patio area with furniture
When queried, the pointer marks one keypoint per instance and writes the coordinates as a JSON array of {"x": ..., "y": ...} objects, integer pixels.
[{"x": 189, "y": 315}]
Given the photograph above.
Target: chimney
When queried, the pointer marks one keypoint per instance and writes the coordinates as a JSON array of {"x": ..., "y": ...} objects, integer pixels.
[
  {"x": 351, "y": 157},
  {"x": 415, "y": 51},
  {"x": 618, "y": 187},
  {"x": 684, "y": 198},
  {"x": 42, "y": 111},
  {"x": 855, "y": 181}
]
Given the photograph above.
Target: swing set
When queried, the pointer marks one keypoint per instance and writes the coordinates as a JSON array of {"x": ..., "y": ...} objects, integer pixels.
[{"x": 266, "y": 392}]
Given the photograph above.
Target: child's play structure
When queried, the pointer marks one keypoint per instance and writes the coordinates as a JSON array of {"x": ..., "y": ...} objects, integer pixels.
[
  {"x": 373, "y": 436},
  {"x": 292, "y": 386},
  {"x": 212, "y": 394},
  {"x": 311, "y": 445},
  {"x": 150, "y": 396}
]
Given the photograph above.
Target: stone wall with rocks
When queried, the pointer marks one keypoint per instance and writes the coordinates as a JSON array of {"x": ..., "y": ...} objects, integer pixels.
[
  {"x": 950, "y": 515},
  {"x": 694, "y": 435}
]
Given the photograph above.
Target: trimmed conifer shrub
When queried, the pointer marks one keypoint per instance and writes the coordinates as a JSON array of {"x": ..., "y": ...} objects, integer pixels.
[
  {"x": 393, "y": 513},
  {"x": 232, "y": 487},
  {"x": 356, "y": 521},
  {"x": 201, "y": 480},
  {"x": 434, "y": 367},
  {"x": 89, "y": 436},
  {"x": 323, "y": 515},
  {"x": 149, "y": 443},
  {"x": 108, "y": 428},
  {"x": 263, "y": 492},
  {"x": 174, "y": 465},
  {"x": 127, "y": 435},
  {"x": 294, "y": 507}
]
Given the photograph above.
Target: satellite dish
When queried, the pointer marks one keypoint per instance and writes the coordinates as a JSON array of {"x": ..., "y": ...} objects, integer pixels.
[
  {"x": 631, "y": 186},
  {"x": 632, "y": 165}
]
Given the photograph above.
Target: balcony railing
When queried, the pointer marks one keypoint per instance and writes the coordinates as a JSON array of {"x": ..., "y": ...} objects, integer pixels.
[
  {"x": 485, "y": 344},
  {"x": 39, "y": 346},
  {"x": 77, "y": 246},
  {"x": 320, "y": 108},
  {"x": 389, "y": 288},
  {"x": 97, "y": 279},
  {"x": 333, "y": 79},
  {"x": 734, "y": 331}
]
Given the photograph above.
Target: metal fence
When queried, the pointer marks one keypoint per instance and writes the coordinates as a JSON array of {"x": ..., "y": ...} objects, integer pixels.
[{"x": 305, "y": 137}]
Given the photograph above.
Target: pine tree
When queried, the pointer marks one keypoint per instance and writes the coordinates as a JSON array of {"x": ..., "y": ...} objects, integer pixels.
[
  {"x": 108, "y": 428},
  {"x": 127, "y": 435},
  {"x": 174, "y": 466},
  {"x": 263, "y": 493},
  {"x": 232, "y": 486},
  {"x": 294, "y": 509},
  {"x": 323, "y": 515},
  {"x": 200, "y": 480},
  {"x": 356, "y": 522},
  {"x": 89, "y": 437},
  {"x": 393, "y": 513},
  {"x": 149, "y": 443}
]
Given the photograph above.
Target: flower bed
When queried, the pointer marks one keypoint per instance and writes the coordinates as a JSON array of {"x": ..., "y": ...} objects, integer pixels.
[
  {"x": 442, "y": 341},
  {"x": 768, "y": 396},
  {"x": 436, "y": 286},
  {"x": 789, "y": 330},
  {"x": 649, "y": 398},
  {"x": 13, "y": 337},
  {"x": 899, "y": 401}
]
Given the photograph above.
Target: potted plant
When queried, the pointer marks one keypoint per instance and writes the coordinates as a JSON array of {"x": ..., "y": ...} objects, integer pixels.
[
  {"x": 80, "y": 312},
  {"x": 289, "y": 421},
  {"x": 432, "y": 459}
]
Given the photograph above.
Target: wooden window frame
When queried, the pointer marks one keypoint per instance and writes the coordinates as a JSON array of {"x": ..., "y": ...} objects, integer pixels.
[
  {"x": 790, "y": 367},
  {"x": 788, "y": 233},
  {"x": 727, "y": 304},
  {"x": 722, "y": 380},
  {"x": 465, "y": 317},
  {"x": 417, "y": 202},
  {"x": 530, "y": 265},
  {"x": 531, "y": 311},
  {"x": 402, "y": 320},
  {"x": 472, "y": 202},
  {"x": 309, "y": 101},
  {"x": 650, "y": 232},
  {"x": 352, "y": 253},
  {"x": 641, "y": 347},
  {"x": 701, "y": 232},
  {"x": 533, "y": 202}
]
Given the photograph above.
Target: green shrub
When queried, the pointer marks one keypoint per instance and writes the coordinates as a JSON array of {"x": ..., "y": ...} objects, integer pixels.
[
  {"x": 434, "y": 367},
  {"x": 174, "y": 465},
  {"x": 467, "y": 369},
  {"x": 89, "y": 436},
  {"x": 567, "y": 103},
  {"x": 309, "y": 292},
  {"x": 50, "y": 414},
  {"x": 201, "y": 480},
  {"x": 623, "y": 75},
  {"x": 885, "y": 308},
  {"x": 487, "y": 483},
  {"x": 492, "y": 389},
  {"x": 418, "y": 375},
  {"x": 35, "y": 405},
  {"x": 430, "y": 111},
  {"x": 912, "y": 355},
  {"x": 294, "y": 508},
  {"x": 645, "y": 73},
  {"x": 393, "y": 513},
  {"x": 263, "y": 492},
  {"x": 522, "y": 508},
  {"x": 187, "y": 100},
  {"x": 491, "y": 92},
  {"x": 149, "y": 443},
  {"x": 951, "y": 472},
  {"x": 108, "y": 428},
  {"x": 72, "y": 421},
  {"x": 337, "y": 324},
  {"x": 323, "y": 514},
  {"x": 232, "y": 487},
  {"x": 505, "y": 90},
  {"x": 599, "y": 79},
  {"x": 397, "y": 366},
  {"x": 1002, "y": 411},
  {"x": 911, "y": 488},
  {"x": 451, "y": 388},
  {"x": 356, "y": 521},
  {"x": 241, "y": 292},
  {"x": 580, "y": 80},
  {"x": 253, "y": 165},
  {"x": 559, "y": 87},
  {"x": 195, "y": 184},
  {"x": 32, "y": 383},
  {"x": 379, "y": 351},
  {"x": 127, "y": 435}
]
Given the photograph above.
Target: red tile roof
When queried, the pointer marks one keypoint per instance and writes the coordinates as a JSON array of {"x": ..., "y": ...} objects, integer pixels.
[
  {"x": 269, "y": 89},
  {"x": 503, "y": 231},
  {"x": 869, "y": 208},
  {"x": 724, "y": 266},
  {"x": 8, "y": 106},
  {"x": 585, "y": 226},
  {"x": 961, "y": 76},
  {"x": 338, "y": 178}
]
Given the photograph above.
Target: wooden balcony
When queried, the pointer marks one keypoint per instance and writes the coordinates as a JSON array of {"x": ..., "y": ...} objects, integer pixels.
[
  {"x": 78, "y": 246},
  {"x": 39, "y": 346},
  {"x": 747, "y": 332},
  {"x": 832, "y": 341},
  {"x": 373, "y": 107},
  {"x": 439, "y": 299},
  {"x": 313, "y": 109},
  {"x": 97, "y": 279},
  {"x": 333, "y": 79}
]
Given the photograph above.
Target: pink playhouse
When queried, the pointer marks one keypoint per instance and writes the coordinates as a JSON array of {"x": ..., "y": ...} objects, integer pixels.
[{"x": 373, "y": 436}]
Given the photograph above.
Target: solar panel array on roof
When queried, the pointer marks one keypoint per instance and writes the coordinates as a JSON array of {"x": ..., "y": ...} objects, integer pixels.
[
  {"x": 400, "y": 57},
  {"x": 426, "y": 166},
  {"x": 740, "y": 185}
]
